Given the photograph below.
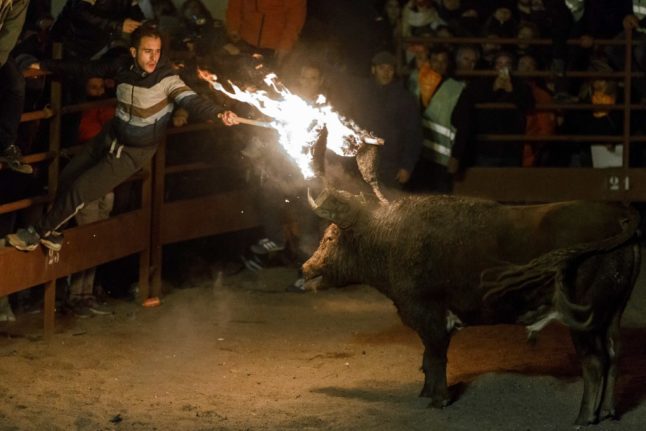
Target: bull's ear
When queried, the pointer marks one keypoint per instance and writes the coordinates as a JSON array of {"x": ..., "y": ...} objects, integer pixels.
[{"x": 339, "y": 207}]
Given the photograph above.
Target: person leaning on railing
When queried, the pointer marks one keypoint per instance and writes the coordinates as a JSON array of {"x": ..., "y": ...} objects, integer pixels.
[{"x": 147, "y": 90}]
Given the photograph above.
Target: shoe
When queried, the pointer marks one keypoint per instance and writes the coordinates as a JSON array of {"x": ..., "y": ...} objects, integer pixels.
[
  {"x": 297, "y": 287},
  {"x": 96, "y": 307},
  {"x": 265, "y": 246},
  {"x": 6, "y": 313},
  {"x": 79, "y": 309},
  {"x": 12, "y": 156},
  {"x": 24, "y": 239},
  {"x": 53, "y": 241},
  {"x": 252, "y": 264}
]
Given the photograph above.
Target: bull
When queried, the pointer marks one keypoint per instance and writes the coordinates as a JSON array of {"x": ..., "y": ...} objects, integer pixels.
[{"x": 448, "y": 261}]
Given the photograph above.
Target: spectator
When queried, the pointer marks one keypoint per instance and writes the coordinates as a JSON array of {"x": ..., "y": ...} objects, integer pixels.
[
  {"x": 539, "y": 123},
  {"x": 419, "y": 17},
  {"x": 589, "y": 19},
  {"x": 353, "y": 30},
  {"x": 170, "y": 24},
  {"x": 203, "y": 34},
  {"x": 466, "y": 58},
  {"x": 635, "y": 22},
  {"x": 383, "y": 106},
  {"x": 12, "y": 84},
  {"x": 272, "y": 26},
  {"x": 435, "y": 169},
  {"x": 503, "y": 88},
  {"x": 527, "y": 31},
  {"x": 86, "y": 28},
  {"x": 393, "y": 14},
  {"x": 502, "y": 21},
  {"x": 283, "y": 192},
  {"x": 596, "y": 91},
  {"x": 146, "y": 93},
  {"x": 462, "y": 17}
]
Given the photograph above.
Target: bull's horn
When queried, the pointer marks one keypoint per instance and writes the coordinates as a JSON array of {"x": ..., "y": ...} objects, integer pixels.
[
  {"x": 311, "y": 200},
  {"x": 339, "y": 207}
]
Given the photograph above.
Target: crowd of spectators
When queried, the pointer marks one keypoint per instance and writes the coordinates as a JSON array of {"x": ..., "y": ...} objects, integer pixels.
[{"x": 422, "y": 99}]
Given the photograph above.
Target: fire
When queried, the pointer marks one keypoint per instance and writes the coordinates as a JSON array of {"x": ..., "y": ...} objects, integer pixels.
[{"x": 299, "y": 123}]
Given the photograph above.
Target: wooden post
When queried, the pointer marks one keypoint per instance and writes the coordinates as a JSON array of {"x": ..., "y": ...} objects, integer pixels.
[
  {"x": 628, "y": 69},
  {"x": 144, "y": 255},
  {"x": 49, "y": 309},
  {"x": 56, "y": 103},
  {"x": 159, "y": 171}
]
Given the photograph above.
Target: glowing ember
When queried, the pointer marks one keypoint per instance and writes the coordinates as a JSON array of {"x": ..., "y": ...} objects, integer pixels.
[{"x": 299, "y": 123}]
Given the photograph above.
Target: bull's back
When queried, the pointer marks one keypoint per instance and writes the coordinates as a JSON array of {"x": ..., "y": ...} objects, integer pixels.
[{"x": 453, "y": 239}]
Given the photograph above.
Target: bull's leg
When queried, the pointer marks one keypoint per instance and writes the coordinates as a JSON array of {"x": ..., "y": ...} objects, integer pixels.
[
  {"x": 435, "y": 387},
  {"x": 613, "y": 347},
  {"x": 591, "y": 350},
  {"x": 430, "y": 324}
]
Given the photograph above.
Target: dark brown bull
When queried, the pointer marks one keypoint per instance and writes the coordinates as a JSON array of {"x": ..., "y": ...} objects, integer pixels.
[{"x": 447, "y": 261}]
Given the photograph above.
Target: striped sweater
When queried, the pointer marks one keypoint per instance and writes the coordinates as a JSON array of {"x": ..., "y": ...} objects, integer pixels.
[{"x": 145, "y": 102}]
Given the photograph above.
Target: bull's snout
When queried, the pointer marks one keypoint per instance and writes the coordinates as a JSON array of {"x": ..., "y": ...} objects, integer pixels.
[{"x": 309, "y": 270}]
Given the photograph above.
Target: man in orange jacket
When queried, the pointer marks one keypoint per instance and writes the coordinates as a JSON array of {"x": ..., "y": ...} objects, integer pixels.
[{"x": 274, "y": 25}]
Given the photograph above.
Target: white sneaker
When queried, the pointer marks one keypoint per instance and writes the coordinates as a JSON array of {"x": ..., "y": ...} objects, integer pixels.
[{"x": 265, "y": 246}]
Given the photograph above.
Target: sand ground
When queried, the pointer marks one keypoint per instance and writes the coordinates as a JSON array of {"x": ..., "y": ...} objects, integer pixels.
[{"x": 243, "y": 354}]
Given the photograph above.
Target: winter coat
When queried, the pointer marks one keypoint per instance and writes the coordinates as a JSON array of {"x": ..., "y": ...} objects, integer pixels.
[{"x": 272, "y": 24}]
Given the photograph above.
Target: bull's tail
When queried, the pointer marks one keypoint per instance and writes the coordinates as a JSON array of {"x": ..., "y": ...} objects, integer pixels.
[{"x": 548, "y": 270}]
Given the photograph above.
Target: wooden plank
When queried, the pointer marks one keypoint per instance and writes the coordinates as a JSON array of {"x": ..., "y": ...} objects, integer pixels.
[
  {"x": 193, "y": 218},
  {"x": 49, "y": 309},
  {"x": 85, "y": 247},
  {"x": 157, "y": 203},
  {"x": 553, "y": 184},
  {"x": 144, "y": 256}
]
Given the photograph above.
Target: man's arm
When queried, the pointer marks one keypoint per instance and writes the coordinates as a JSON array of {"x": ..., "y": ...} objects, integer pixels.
[
  {"x": 200, "y": 108},
  {"x": 104, "y": 68},
  {"x": 85, "y": 12}
]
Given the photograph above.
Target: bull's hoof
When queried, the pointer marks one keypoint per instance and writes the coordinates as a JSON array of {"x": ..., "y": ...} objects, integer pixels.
[
  {"x": 439, "y": 403},
  {"x": 426, "y": 393},
  {"x": 584, "y": 420},
  {"x": 608, "y": 414}
]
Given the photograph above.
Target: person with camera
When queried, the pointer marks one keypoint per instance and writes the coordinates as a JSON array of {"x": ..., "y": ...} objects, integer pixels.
[{"x": 501, "y": 88}]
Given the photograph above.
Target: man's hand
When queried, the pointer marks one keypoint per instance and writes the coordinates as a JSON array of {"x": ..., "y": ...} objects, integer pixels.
[
  {"x": 402, "y": 176},
  {"x": 130, "y": 25},
  {"x": 587, "y": 41},
  {"x": 229, "y": 118},
  {"x": 631, "y": 22},
  {"x": 180, "y": 117}
]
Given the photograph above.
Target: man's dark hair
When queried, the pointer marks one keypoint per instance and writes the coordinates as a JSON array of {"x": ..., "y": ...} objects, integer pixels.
[{"x": 145, "y": 30}]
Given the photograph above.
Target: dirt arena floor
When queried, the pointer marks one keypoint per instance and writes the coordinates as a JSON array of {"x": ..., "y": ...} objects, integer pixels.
[{"x": 242, "y": 354}]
